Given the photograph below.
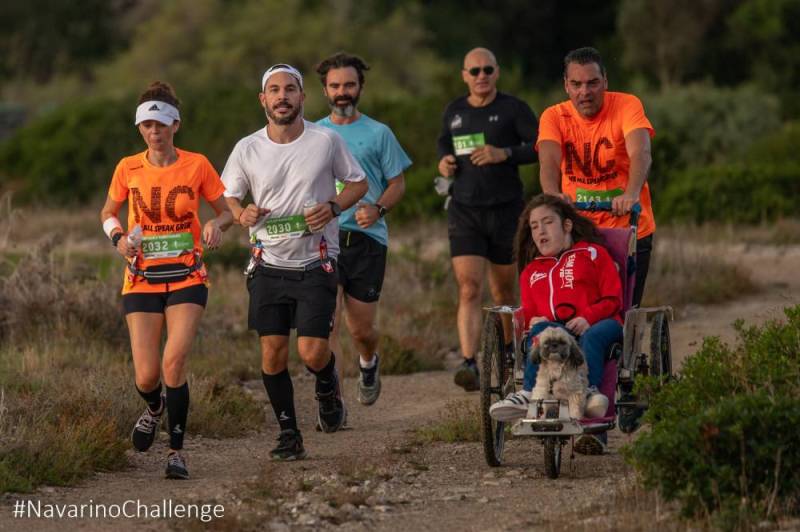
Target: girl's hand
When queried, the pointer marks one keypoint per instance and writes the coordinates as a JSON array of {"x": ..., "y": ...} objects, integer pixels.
[
  {"x": 578, "y": 325},
  {"x": 212, "y": 234},
  {"x": 535, "y": 320}
]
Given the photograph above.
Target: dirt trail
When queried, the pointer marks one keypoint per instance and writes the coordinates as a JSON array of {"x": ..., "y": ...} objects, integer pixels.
[{"x": 391, "y": 485}]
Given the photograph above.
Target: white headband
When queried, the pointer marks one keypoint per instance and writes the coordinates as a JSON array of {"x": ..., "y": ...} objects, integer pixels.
[
  {"x": 159, "y": 111},
  {"x": 282, "y": 67}
]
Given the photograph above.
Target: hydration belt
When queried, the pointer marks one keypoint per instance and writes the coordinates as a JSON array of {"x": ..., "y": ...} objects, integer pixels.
[{"x": 166, "y": 273}]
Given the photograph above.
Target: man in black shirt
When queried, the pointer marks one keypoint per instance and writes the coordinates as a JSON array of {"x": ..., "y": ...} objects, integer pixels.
[{"x": 485, "y": 136}]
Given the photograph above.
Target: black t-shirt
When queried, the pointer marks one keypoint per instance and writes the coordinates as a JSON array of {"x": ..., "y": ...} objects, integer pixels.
[{"x": 507, "y": 122}]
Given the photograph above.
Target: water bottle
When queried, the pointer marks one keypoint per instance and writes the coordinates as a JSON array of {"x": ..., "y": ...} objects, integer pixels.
[
  {"x": 309, "y": 204},
  {"x": 135, "y": 237}
]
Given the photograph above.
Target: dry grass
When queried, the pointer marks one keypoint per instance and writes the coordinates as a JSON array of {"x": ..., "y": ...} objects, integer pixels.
[
  {"x": 459, "y": 422},
  {"x": 682, "y": 273}
]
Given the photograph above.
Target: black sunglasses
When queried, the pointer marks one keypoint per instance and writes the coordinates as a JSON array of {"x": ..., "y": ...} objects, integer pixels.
[{"x": 474, "y": 71}]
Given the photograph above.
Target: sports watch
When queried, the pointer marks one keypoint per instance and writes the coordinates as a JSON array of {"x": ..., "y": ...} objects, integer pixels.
[{"x": 335, "y": 208}]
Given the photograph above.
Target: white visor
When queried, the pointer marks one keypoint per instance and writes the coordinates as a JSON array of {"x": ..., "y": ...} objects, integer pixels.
[
  {"x": 282, "y": 67},
  {"x": 158, "y": 111}
]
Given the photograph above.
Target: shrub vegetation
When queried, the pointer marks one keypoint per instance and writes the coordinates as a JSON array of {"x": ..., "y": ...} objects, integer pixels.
[{"x": 723, "y": 438}]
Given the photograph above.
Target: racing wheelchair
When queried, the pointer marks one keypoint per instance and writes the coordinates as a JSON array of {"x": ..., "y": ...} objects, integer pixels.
[{"x": 645, "y": 350}]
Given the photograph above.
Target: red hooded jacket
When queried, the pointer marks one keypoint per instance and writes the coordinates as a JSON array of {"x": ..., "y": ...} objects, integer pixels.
[{"x": 582, "y": 282}]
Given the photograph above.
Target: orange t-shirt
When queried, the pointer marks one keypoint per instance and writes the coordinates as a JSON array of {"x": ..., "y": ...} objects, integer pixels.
[
  {"x": 165, "y": 202},
  {"x": 594, "y": 162}
]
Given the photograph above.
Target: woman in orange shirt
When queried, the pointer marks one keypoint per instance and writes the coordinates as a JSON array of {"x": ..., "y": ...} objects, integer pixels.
[{"x": 165, "y": 281}]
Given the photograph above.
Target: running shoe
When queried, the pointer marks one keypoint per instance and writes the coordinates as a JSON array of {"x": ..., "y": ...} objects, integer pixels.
[
  {"x": 144, "y": 432},
  {"x": 290, "y": 446},
  {"x": 332, "y": 414},
  {"x": 176, "y": 467},
  {"x": 592, "y": 444},
  {"x": 369, "y": 384},
  {"x": 513, "y": 407},
  {"x": 467, "y": 375}
]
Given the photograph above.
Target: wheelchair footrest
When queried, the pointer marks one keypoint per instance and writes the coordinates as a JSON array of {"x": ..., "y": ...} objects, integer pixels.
[{"x": 546, "y": 427}]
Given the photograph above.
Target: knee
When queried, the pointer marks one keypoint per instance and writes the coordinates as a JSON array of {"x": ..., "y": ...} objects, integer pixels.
[
  {"x": 273, "y": 361},
  {"x": 315, "y": 356},
  {"x": 173, "y": 371},
  {"x": 147, "y": 383},
  {"x": 469, "y": 291},
  {"x": 362, "y": 332}
]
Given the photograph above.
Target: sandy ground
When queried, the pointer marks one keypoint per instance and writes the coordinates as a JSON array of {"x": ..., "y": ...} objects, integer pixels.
[{"x": 378, "y": 480}]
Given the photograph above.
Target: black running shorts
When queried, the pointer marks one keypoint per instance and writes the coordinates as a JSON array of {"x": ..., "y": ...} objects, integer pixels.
[
  {"x": 281, "y": 300},
  {"x": 156, "y": 303},
  {"x": 362, "y": 265},
  {"x": 483, "y": 231}
]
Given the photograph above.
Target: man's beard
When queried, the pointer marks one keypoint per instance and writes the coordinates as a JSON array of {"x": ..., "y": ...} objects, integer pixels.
[
  {"x": 348, "y": 110},
  {"x": 283, "y": 120}
]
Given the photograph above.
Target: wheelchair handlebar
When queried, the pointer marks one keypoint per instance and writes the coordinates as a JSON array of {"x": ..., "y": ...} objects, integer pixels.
[{"x": 594, "y": 206}]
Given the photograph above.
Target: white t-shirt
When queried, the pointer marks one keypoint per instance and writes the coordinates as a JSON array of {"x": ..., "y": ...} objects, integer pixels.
[{"x": 281, "y": 177}]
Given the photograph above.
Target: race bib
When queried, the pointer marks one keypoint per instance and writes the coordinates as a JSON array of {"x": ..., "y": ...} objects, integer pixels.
[
  {"x": 583, "y": 195},
  {"x": 283, "y": 228},
  {"x": 167, "y": 246},
  {"x": 466, "y": 144}
]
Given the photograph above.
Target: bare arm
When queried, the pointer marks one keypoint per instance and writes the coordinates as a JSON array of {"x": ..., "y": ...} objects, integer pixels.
[
  {"x": 245, "y": 216},
  {"x": 109, "y": 210},
  {"x": 350, "y": 194},
  {"x": 212, "y": 231},
  {"x": 369, "y": 214},
  {"x": 637, "y": 144},
  {"x": 550, "y": 167}
]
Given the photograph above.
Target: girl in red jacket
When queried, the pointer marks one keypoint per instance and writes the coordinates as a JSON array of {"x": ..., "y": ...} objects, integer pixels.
[{"x": 568, "y": 280}]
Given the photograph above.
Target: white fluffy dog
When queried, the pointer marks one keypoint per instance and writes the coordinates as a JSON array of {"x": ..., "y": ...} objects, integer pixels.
[{"x": 562, "y": 370}]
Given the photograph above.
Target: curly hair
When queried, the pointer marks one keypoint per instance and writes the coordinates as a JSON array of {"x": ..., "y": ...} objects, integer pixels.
[
  {"x": 160, "y": 91},
  {"x": 583, "y": 229},
  {"x": 342, "y": 60}
]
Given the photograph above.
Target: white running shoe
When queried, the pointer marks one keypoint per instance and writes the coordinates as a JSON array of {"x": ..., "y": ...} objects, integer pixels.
[{"x": 513, "y": 407}]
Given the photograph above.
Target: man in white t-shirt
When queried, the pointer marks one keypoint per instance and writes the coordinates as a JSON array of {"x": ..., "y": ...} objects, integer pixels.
[{"x": 292, "y": 281}]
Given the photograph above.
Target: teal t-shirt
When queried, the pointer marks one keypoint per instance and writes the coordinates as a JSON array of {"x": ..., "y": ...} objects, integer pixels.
[{"x": 380, "y": 155}]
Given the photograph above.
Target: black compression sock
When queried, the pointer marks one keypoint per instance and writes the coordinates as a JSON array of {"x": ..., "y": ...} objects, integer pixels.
[
  {"x": 325, "y": 376},
  {"x": 281, "y": 397},
  {"x": 152, "y": 398},
  {"x": 177, "y": 411}
]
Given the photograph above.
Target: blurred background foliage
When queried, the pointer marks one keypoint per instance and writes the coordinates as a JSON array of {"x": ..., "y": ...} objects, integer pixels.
[{"x": 718, "y": 79}]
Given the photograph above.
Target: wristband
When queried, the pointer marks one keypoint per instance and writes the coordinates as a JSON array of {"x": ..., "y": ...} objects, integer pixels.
[{"x": 110, "y": 224}]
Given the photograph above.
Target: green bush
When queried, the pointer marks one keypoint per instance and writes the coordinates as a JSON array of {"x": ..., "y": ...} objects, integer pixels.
[
  {"x": 744, "y": 193},
  {"x": 780, "y": 145},
  {"x": 68, "y": 155},
  {"x": 698, "y": 125},
  {"x": 723, "y": 437}
]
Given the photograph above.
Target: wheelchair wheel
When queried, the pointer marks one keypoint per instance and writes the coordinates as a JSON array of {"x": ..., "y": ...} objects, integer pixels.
[
  {"x": 660, "y": 348},
  {"x": 494, "y": 380},
  {"x": 552, "y": 457}
]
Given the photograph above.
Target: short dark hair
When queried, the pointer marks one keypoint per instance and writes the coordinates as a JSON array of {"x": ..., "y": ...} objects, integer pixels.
[
  {"x": 584, "y": 56},
  {"x": 342, "y": 60},
  {"x": 162, "y": 92}
]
